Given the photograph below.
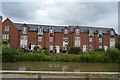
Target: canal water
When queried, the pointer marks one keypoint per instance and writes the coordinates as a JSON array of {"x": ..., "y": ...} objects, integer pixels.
[{"x": 61, "y": 66}]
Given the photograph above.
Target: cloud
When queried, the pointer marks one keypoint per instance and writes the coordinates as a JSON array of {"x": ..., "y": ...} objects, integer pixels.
[{"x": 63, "y": 13}]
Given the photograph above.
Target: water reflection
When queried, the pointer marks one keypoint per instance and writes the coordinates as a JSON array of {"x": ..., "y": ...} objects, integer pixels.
[{"x": 60, "y": 66}]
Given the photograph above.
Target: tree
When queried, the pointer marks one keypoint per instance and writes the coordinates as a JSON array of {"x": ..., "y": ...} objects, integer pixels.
[{"x": 117, "y": 45}]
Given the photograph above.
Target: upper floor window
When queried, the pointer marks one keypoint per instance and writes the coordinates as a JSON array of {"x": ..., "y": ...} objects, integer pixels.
[
  {"x": 111, "y": 33},
  {"x": 90, "y": 30},
  {"x": 77, "y": 31},
  {"x": 77, "y": 38},
  {"x": 24, "y": 30},
  {"x": 50, "y": 39},
  {"x": 100, "y": 39},
  {"x": 40, "y": 31},
  {"x": 7, "y": 28},
  {"x": 5, "y": 36},
  {"x": 90, "y": 39},
  {"x": 39, "y": 39},
  {"x": 100, "y": 33},
  {"x": 66, "y": 39},
  {"x": 51, "y": 30},
  {"x": 65, "y": 31},
  {"x": 24, "y": 37}
]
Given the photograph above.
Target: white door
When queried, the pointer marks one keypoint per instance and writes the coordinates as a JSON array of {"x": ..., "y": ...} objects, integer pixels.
[
  {"x": 57, "y": 49},
  {"x": 77, "y": 41},
  {"x": 112, "y": 42},
  {"x": 84, "y": 48}
]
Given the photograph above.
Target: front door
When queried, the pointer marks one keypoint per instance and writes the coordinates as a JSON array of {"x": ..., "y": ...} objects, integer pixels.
[
  {"x": 84, "y": 48},
  {"x": 57, "y": 49}
]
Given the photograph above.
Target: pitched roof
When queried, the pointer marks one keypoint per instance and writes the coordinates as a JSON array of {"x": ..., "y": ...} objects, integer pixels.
[{"x": 34, "y": 27}]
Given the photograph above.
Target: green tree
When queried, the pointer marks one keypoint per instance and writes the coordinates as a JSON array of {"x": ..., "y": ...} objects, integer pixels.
[{"x": 117, "y": 45}]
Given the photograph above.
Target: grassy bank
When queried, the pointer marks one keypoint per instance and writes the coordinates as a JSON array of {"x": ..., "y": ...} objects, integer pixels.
[{"x": 111, "y": 56}]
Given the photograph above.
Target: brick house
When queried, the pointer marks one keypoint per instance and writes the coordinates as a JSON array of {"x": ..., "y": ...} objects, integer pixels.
[{"x": 59, "y": 38}]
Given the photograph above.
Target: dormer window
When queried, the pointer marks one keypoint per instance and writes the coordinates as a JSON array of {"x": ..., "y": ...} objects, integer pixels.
[
  {"x": 65, "y": 31},
  {"x": 111, "y": 33},
  {"x": 77, "y": 31},
  {"x": 91, "y": 32},
  {"x": 6, "y": 28},
  {"x": 40, "y": 31},
  {"x": 51, "y": 30},
  {"x": 24, "y": 30},
  {"x": 100, "y": 33}
]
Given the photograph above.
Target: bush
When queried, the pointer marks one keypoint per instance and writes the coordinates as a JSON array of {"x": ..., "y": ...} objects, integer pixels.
[
  {"x": 10, "y": 54},
  {"x": 36, "y": 48},
  {"x": 112, "y": 55},
  {"x": 117, "y": 45},
  {"x": 5, "y": 41},
  {"x": 45, "y": 51},
  {"x": 75, "y": 50}
]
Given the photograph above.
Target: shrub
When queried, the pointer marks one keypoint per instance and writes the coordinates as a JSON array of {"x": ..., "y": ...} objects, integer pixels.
[
  {"x": 112, "y": 55},
  {"x": 36, "y": 48},
  {"x": 5, "y": 41},
  {"x": 75, "y": 50},
  {"x": 117, "y": 45},
  {"x": 45, "y": 51},
  {"x": 10, "y": 54}
]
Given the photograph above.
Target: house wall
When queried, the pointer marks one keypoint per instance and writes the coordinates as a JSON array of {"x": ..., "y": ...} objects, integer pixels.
[{"x": 14, "y": 40}]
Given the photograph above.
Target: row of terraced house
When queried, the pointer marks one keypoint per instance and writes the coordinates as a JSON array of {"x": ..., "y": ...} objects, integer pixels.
[{"x": 59, "y": 38}]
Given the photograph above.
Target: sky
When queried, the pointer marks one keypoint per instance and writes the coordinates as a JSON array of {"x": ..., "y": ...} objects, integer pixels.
[{"x": 93, "y": 14}]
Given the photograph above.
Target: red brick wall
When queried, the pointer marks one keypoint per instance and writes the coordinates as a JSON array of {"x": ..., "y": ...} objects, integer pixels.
[
  {"x": 13, "y": 32},
  {"x": 58, "y": 37}
]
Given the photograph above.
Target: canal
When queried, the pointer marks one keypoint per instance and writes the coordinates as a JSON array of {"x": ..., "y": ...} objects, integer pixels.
[{"x": 60, "y": 66}]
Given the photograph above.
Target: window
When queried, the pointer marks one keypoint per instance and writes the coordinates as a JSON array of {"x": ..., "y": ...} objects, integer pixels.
[
  {"x": 100, "y": 33},
  {"x": 6, "y": 28},
  {"x": 50, "y": 39},
  {"x": 65, "y": 31},
  {"x": 65, "y": 40},
  {"x": 77, "y": 38},
  {"x": 24, "y": 30},
  {"x": 23, "y": 37},
  {"x": 77, "y": 31},
  {"x": 5, "y": 36},
  {"x": 39, "y": 39},
  {"x": 100, "y": 39},
  {"x": 111, "y": 33},
  {"x": 90, "y": 39},
  {"x": 51, "y": 30},
  {"x": 90, "y": 31},
  {"x": 51, "y": 47},
  {"x": 40, "y": 31}
]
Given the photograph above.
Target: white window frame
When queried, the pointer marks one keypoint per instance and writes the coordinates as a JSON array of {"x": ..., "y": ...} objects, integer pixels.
[
  {"x": 91, "y": 31},
  {"x": 90, "y": 39},
  {"x": 24, "y": 37},
  {"x": 100, "y": 47},
  {"x": 39, "y": 39},
  {"x": 51, "y": 30},
  {"x": 40, "y": 31},
  {"x": 24, "y": 30},
  {"x": 5, "y": 36},
  {"x": 100, "y": 40},
  {"x": 7, "y": 28},
  {"x": 77, "y": 31},
  {"x": 66, "y": 31},
  {"x": 50, "y": 39},
  {"x": 111, "y": 32}
]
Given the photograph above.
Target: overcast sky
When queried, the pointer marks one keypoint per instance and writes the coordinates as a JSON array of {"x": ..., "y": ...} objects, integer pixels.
[{"x": 103, "y": 14}]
